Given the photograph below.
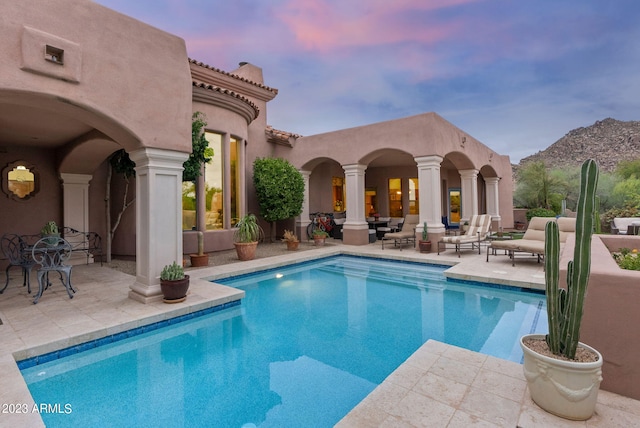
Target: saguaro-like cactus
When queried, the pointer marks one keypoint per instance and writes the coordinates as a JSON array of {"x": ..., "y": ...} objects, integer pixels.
[{"x": 565, "y": 307}]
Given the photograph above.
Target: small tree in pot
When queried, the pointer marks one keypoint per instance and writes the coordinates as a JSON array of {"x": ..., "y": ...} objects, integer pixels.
[
  {"x": 559, "y": 383},
  {"x": 174, "y": 283},
  {"x": 280, "y": 190},
  {"x": 246, "y": 236}
]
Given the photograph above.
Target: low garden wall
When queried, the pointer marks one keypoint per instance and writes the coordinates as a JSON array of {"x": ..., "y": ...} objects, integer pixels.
[{"x": 612, "y": 312}]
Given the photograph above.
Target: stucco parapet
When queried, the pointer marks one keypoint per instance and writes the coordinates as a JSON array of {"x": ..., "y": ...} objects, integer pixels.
[
  {"x": 233, "y": 81},
  {"x": 225, "y": 98}
]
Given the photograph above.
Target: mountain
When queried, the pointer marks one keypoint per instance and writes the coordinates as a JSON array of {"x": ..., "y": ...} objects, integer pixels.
[{"x": 608, "y": 141}]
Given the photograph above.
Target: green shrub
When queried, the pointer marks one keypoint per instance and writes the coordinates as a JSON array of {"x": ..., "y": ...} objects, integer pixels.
[
  {"x": 627, "y": 259},
  {"x": 539, "y": 212}
]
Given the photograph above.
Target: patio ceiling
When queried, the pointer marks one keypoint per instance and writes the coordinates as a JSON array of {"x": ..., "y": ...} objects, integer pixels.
[{"x": 34, "y": 127}]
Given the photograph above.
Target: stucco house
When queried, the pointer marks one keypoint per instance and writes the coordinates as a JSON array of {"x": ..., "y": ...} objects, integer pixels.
[{"x": 72, "y": 94}]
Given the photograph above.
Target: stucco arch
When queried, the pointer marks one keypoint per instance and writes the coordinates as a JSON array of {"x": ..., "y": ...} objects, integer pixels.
[
  {"x": 459, "y": 160},
  {"x": 387, "y": 157}
]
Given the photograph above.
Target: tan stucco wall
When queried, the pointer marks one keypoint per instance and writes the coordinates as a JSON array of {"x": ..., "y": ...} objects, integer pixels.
[
  {"x": 611, "y": 317},
  {"x": 133, "y": 82}
]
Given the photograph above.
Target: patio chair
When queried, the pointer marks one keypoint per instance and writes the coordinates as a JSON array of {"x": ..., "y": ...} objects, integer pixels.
[
  {"x": 407, "y": 233},
  {"x": 51, "y": 253},
  {"x": 479, "y": 226},
  {"x": 15, "y": 249}
]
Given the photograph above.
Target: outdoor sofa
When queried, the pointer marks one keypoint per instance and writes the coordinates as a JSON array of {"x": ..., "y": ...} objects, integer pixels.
[{"x": 532, "y": 241}]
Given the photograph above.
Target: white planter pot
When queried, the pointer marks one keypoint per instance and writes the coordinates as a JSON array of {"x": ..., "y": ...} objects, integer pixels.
[{"x": 567, "y": 389}]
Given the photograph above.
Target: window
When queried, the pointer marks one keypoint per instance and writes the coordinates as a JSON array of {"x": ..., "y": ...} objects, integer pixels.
[
  {"x": 221, "y": 183},
  {"x": 338, "y": 194},
  {"x": 395, "y": 197},
  {"x": 213, "y": 183},
  {"x": 371, "y": 201},
  {"x": 20, "y": 181},
  {"x": 414, "y": 199}
]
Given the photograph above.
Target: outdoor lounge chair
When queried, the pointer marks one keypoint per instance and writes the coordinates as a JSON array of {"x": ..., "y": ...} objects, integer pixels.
[
  {"x": 407, "y": 233},
  {"x": 533, "y": 240},
  {"x": 477, "y": 232}
]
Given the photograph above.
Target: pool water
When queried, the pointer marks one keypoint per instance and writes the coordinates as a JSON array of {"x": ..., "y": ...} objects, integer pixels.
[{"x": 307, "y": 344}]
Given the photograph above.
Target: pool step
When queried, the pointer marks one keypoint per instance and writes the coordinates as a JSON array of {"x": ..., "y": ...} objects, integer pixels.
[{"x": 410, "y": 276}]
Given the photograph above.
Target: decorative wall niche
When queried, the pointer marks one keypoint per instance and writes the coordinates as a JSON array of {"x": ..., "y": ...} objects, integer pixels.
[{"x": 20, "y": 180}]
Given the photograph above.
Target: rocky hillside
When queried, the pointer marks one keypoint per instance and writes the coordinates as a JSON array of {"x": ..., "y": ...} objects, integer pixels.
[{"x": 609, "y": 141}]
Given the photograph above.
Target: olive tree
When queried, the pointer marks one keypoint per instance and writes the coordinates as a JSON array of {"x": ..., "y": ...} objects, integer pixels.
[{"x": 279, "y": 188}]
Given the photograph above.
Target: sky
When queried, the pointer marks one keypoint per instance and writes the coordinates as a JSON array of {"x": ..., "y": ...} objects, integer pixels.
[{"x": 515, "y": 74}]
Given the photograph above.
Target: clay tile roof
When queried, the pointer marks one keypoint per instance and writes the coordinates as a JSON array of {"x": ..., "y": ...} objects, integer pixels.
[
  {"x": 235, "y": 76},
  {"x": 227, "y": 92},
  {"x": 280, "y": 137}
]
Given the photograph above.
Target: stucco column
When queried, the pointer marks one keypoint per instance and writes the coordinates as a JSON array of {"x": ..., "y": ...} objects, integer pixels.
[
  {"x": 75, "y": 190},
  {"x": 469, "y": 193},
  {"x": 75, "y": 200},
  {"x": 302, "y": 221},
  {"x": 493, "y": 201},
  {"x": 430, "y": 202},
  {"x": 158, "y": 218},
  {"x": 356, "y": 229}
]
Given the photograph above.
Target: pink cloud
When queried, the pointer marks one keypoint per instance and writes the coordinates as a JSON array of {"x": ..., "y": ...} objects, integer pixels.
[{"x": 326, "y": 25}]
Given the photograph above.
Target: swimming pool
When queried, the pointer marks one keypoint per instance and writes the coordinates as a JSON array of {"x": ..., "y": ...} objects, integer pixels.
[{"x": 307, "y": 344}]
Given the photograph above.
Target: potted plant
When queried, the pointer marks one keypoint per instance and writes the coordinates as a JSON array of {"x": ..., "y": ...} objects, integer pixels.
[
  {"x": 566, "y": 381},
  {"x": 291, "y": 240},
  {"x": 319, "y": 237},
  {"x": 424, "y": 244},
  {"x": 201, "y": 259},
  {"x": 50, "y": 230},
  {"x": 246, "y": 236},
  {"x": 174, "y": 283}
]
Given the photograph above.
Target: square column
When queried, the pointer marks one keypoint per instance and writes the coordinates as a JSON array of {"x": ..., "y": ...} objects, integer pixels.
[
  {"x": 469, "y": 193},
  {"x": 158, "y": 218},
  {"x": 493, "y": 201},
  {"x": 302, "y": 221},
  {"x": 75, "y": 190},
  {"x": 356, "y": 229},
  {"x": 430, "y": 193},
  {"x": 75, "y": 200}
]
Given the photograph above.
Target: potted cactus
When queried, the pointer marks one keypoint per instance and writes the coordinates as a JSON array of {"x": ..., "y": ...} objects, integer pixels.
[
  {"x": 564, "y": 374},
  {"x": 174, "y": 283},
  {"x": 201, "y": 259},
  {"x": 424, "y": 244}
]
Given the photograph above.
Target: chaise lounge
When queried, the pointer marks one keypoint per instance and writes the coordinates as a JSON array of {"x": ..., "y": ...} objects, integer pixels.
[
  {"x": 533, "y": 240},
  {"x": 479, "y": 226}
]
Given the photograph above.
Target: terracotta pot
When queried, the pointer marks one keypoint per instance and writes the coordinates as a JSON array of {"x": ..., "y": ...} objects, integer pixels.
[
  {"x": 175, "y": 291},
  {"x": 246, "y": 250},
  {"x": 198, "y": 260},
  {"x": 319, "y": 241},
  {"x": 292, "y": 246},
  {"x": 425, "y": 246},
  {"x": 568, "y": 389}
]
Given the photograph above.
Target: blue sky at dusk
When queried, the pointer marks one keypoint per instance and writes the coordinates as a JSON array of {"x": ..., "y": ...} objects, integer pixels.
[{"x": 515, "y": 74}]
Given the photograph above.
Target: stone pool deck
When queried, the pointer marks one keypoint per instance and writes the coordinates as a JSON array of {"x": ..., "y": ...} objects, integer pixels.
[{"x": 440, "y": 385}]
